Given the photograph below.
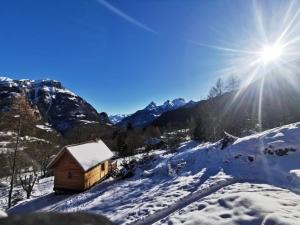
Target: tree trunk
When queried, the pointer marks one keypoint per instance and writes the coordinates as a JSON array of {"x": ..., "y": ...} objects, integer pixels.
[
  {"x": 12, "y": 178},
  {"x": 28, "y": 193},
  {"x": 9, "y": 196}
]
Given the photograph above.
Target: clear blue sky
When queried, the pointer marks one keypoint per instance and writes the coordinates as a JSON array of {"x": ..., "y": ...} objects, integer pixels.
[{"x": 121, "y": 54}]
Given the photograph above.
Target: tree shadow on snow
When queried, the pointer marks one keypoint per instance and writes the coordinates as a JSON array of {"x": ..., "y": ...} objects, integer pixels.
[{"x": 32, "y": 205}]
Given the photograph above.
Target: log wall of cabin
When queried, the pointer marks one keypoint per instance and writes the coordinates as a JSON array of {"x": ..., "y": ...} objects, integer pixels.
[
  {"x": 62, "y": 179},
  {"x": 94, "y": 175}
]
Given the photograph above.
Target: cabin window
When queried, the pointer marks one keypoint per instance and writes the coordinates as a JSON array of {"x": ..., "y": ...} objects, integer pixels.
[
  {"x": 70, "y": 175},
  {"x": 103, "y": 166}
]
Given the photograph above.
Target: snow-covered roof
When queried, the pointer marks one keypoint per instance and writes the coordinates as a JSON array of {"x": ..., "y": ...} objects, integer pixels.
[{"x": 87, "y": 155}]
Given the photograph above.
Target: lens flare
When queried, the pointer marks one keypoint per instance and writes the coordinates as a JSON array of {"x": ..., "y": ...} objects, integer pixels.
[
  {"x": 270, "y": 45},
  {"x": 271, "y": 42},
  {"x": 271, "y": 53},
  {"x": 270, "y": 49}
]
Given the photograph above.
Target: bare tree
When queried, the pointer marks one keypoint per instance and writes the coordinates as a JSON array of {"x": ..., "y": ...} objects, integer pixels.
[
  {"x": 217, "y": 90},
  {"x": 233, "y": 83},
  {"x": 28, "y": 181},
  {"x": 13, "y": 166},
  {"x": 41, "y": 152},
  {"x": 43, "y": 160},
  {"x": 22, "y": 119}
]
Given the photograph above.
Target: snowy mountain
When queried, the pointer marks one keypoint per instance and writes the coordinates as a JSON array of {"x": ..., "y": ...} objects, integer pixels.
[
  {"x": 5, "y": 79},
  {"x": 114, "y": 119},
  {"x": 167, "y": 105},
  {"x": 144, "y": 117},
  {"x": 249, "y": 180},
  {"x": 190, "y": 104},
  {"x": 58, "y": 106}
]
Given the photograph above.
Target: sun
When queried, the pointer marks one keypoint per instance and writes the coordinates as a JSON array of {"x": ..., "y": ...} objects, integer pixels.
[{"x": 271, "y": 53}]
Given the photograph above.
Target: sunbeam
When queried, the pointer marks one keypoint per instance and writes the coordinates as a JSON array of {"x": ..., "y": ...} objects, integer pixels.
[
  {"x": 271, "y": 53},
  {"x": 272, "y": 47}
]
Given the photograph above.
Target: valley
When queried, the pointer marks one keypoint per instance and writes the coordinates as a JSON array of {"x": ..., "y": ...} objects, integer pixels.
[{"x": 150, "y": 112}]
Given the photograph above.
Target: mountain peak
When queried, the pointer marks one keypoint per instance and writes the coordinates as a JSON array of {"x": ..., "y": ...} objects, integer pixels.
[
  {"x": 114, "y": 119},
  {"x": 175, "y": 103},
  {"x": 178, "y": 102},
  {"x": 57, "y": 105},
  {"x": 5, "y": 79},
  {"x": 167, "y": 104},
  {"x": 152, "y": 105},
  {"x": 144, "y": 117}
]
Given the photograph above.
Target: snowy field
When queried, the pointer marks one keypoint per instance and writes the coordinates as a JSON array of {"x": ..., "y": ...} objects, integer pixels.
[
  {"x": 241, "y": 203},
  {"x": 255, "y": 180}
]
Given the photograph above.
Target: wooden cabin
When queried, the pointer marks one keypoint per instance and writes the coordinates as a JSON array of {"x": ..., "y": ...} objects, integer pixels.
[{"x": 79, "y": 167}]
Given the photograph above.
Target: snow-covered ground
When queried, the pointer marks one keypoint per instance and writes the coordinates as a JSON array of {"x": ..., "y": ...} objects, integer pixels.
[
  {"x": 253, "y": 181},
  {"x": 44, "y": 187},
  {"x": 241, "y": 203}
]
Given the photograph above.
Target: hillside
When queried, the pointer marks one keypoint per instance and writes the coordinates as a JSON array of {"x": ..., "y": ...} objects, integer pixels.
[
  {"x": 47, "y": 116},
  {"x": 221, "y": 182},
  {"x": 238, "y": 112},
  {"x": 58, "y": 108}
]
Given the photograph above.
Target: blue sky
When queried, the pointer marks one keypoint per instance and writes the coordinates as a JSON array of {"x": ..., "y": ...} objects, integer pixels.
[{"x": 120, "y": 55}]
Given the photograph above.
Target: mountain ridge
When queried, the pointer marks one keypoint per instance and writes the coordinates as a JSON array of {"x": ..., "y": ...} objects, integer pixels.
[
  {"x": 145, "y": 116},
  {"x": 57, "y": 105},
  {"x": 238, "y": 112}
]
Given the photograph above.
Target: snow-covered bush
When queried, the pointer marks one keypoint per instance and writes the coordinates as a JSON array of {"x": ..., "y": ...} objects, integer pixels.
[{"x": 128, "y": 168}]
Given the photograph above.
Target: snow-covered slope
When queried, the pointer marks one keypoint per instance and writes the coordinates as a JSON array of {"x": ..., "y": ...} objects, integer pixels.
[
  {"x": 255, "y": 180},
  {"x": 144, "y": 117},
  {"x": 241, "y": 203}
]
